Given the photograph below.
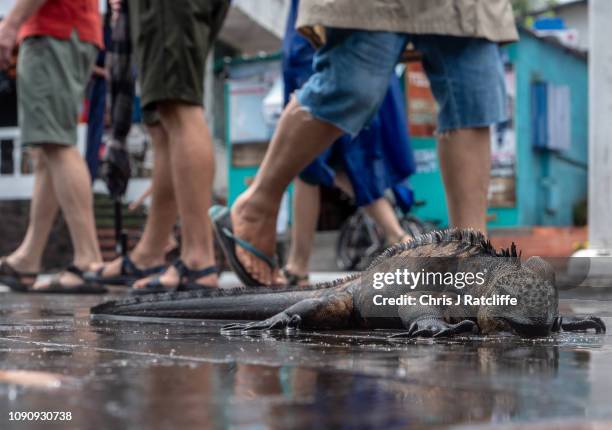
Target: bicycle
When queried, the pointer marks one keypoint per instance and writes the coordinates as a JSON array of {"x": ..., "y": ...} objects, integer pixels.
[{"x": 360, "y": 240}]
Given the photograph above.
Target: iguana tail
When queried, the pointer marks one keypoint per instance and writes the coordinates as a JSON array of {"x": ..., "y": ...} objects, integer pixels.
[{"x": 238, "y": 303}]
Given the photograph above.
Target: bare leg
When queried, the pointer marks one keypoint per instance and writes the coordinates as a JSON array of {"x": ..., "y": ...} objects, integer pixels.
[
  {"x": 71, "y": 182},
  {"x": 465, "y": 160},
  {"x": 382, "y": 213},
  {"x": 298, "y": 139},
  {"x": 379, "y": 210},
  {"x": 306, "y": 204},
  {"x": 43, "y": 211},
  {"x": 151, "y": 248},
  {"x": 192, "y": 167}
]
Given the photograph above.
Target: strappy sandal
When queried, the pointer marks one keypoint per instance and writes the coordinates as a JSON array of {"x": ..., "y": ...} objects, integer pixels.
[
  {"x": 222, "y": 226},
  {"x": 187, "y": 280},
  {"x": 17, "y": 281},
  {"x": 56, "y": 286},
  {"x": 293, "y": 279},
  {"x": 128, "y": 274}
]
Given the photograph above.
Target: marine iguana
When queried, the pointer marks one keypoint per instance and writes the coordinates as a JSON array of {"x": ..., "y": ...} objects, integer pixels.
[{"x": 350, "y": 302}]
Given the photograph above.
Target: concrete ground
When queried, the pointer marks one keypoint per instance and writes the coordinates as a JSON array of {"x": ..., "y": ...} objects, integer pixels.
[{"x": 141, "y": 374}]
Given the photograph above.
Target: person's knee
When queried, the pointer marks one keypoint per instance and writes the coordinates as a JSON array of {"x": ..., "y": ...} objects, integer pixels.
[
  {"x": 159, "y": 137},
  {"x": 175, "y": 115},
  {"x": 53, "y": 152},
  {"x": 472, "y": 134}
]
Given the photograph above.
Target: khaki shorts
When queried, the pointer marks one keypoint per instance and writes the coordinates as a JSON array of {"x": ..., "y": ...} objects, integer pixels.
[
  {"x": 51, "y": 79},
  {"x": 172, "y": 40}
]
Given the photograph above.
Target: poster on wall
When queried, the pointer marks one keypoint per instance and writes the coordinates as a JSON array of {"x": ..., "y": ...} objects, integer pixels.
[
  {"x": 502, "y": 189},
  {"x": 420, "y": 102}
]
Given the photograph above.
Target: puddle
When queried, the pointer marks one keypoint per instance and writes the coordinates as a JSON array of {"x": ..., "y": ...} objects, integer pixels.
[{"x": 179, "y": 374}]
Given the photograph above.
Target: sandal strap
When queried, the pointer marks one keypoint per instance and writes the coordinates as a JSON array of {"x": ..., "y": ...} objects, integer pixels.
[
  {"x": 8, "y": 270},
  {"x": 193, "y": 274},
  {"x": 75, "y": 271},
  {"x": 293, "y": 278},
  {"x": 128, "y": 267},
  {"x": 152, "y": 270},
  {"x": 246, "y": 245}
]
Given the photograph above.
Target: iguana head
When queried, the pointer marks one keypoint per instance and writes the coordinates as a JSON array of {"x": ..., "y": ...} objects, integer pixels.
[{"x": 533, "y": 285}]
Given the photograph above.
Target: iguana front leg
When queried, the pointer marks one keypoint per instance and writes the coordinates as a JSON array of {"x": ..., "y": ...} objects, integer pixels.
[
  {"x": 571, "y": 324},
  {"x": 433, "y": 321},
  {"x": 333, "y": 311}
]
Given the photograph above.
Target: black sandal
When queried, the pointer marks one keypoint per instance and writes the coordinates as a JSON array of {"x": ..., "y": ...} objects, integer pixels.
[
  {"x": 292, "y": 278},
  {"x": 187, "y": 280},
  {"x": 15, "y": 279},
  {"x": 128, "y": 274},
  {"x": 56, "y": 287}
]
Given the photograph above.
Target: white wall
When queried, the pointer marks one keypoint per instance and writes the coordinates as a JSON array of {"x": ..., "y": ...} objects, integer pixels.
[{"x": 577, "y": 17}]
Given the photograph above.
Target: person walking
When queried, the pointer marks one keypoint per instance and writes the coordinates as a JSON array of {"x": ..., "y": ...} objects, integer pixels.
[
  {"x": 360, "y": 45},
  {"x": 59, "y": 40},
  {"x": 171, "y": 42},
  {"x": 379, "y": 158}
]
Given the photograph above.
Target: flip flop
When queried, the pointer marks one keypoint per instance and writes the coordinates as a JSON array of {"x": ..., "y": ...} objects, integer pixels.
[
  {"x": 222, "y": 226},
  {"x": 14, "y": 279},
  {"x": 187, "y": 280},
  {"x": 128, "y": 274},
  {"x": 56, "y": 287}
]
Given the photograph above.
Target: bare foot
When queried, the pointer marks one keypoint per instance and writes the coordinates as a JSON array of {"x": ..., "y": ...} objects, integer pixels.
[
  {"x": 66, "y": 279},
  {"x": 21, "y": 265},
  {"x": 257, "y": 226},
  {"x": 69, "y": 280}
]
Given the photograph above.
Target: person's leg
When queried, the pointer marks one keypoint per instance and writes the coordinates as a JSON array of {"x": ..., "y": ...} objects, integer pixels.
[
  {"x": 380, "y": 210},
  {"x": 43, "y": 212},
  {"x": 174, "y": 84},
  {"x": 465, "y": 161},
  {"x": 192, "y": 166},
  {"x": 71, "y": 182},
  {"x": 52, "y": 77},
  {"x": 298, "y": 139},
  {"x": 326, "y": 107},
  {"x": 150, "y": 251},
  {"x": 467, "y": 79},
  {"x": 306, "y": 206},
  {"x": 70, "y": 177}
]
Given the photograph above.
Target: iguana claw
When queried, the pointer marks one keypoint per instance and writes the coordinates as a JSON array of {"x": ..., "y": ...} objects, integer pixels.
[
  {"x": 583, "y": 324},
  {"x": 435, "y": 328},
  {"x": 281, "y": 321}
]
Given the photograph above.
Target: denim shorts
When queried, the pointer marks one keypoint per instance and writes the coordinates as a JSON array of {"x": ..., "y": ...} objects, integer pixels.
[{"x": 353, "y": 70}]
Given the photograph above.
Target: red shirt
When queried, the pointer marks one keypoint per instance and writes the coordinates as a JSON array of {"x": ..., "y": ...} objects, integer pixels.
[{"x": 58, "y": 18}]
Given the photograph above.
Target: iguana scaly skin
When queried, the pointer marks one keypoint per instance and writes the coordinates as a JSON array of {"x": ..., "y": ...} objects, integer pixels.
[{"x": 349, "y": 302}]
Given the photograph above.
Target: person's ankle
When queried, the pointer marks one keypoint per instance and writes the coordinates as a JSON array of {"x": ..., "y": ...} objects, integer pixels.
[
  {"x": 22, "y": 263},
  {"x": 147, "y": 259},
  {"x": 296, "y": 269},
  {"x": 254, "y": 202},
  {"x": 196, "y": 262},
  {"x": 87, "y": 263}
]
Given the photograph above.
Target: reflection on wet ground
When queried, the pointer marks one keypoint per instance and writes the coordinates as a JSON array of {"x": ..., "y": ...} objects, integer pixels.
[{"x": 184, "y": 374}]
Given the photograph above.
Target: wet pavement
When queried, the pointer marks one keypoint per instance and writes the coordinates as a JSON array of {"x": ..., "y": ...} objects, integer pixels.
[{"x": 184, "y": 374}]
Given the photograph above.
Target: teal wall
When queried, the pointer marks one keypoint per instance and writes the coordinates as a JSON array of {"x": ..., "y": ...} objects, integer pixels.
[
  {"x": 547, "y": 186},
  {"x": 427, "y": 183}
]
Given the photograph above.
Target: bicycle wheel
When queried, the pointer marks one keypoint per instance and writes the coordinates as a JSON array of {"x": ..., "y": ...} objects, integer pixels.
[{"x": 358, "y": 241}]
